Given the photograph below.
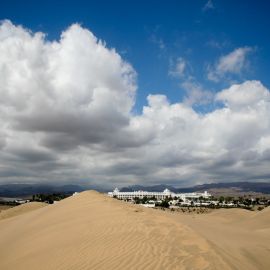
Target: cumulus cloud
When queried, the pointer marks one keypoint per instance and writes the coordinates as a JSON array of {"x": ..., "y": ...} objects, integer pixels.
[
  {"x": 244, "y": 95},
  {"x": 74, "y": 87},
  {"x": 66, "y": 112},
  {"x": 233, "y": 63}
]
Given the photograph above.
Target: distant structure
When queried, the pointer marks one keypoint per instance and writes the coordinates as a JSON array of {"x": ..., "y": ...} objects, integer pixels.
[
  {"x": 21, "y": 201},
  {"x": 158, "y": 195}
]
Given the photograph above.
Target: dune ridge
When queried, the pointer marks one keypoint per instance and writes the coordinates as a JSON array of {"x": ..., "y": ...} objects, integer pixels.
[{"x": 92, "y": 231}]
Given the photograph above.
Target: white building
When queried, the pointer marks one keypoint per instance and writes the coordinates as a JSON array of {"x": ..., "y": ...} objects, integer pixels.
[
  {"x": 21, "y": 201},
  {"x": 158, "y": 195}
]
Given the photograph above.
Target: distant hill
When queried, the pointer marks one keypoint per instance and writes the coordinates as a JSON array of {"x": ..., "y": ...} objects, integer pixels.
[
  {"x": 14, "y": 190},
  {"x": 235, "y": 188}
]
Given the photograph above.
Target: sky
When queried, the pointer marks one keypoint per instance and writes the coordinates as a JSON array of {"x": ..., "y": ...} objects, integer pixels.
[{"x": 116, "y": 93}]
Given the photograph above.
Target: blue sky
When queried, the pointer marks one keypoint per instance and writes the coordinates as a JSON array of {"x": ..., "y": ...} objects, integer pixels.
[
  {"x": 153, "y": 34},
  {"x": 177, "y": 92}
]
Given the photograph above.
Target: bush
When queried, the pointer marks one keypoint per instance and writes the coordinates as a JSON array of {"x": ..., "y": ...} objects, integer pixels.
[{"x": 164, "y": 204}]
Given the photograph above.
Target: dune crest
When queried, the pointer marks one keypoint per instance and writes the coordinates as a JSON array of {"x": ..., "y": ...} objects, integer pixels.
[{"x": 92, "y": 231}]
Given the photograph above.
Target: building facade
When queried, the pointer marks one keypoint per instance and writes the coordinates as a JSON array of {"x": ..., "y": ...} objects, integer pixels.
[{"x": 158, "y": 195}]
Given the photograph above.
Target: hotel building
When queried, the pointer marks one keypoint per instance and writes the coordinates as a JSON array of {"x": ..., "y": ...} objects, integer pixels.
[{"x": 158, "y": 195}]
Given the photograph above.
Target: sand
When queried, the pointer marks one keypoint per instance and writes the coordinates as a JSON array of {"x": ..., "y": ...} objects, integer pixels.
[
  {"x": 240, "y": 236},
  {"x": 4, "y": 207},
  {"x": 92, "y": 231}
]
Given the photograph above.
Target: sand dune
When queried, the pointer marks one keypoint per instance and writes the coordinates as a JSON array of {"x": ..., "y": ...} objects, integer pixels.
[
  {"x": 92, "y": 231},
  {"x": 260, "y": 220},
  {"x": 21, "y": 209},
  {"x": 236, "y": 234}
]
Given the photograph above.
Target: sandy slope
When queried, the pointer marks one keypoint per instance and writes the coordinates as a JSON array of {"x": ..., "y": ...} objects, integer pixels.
[
  {"x": 261, "y": 220},
  {"x": 92, "y": 231},
  {"x": 21, "y": 209},
  {"x": 242, "y": 237}
]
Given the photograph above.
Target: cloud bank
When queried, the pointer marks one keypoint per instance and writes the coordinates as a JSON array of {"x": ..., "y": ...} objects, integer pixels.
[{"x": 66, "y": 112}]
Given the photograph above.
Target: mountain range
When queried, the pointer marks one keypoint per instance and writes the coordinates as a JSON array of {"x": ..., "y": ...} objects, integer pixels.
[
  {"x": 234, "y": 188},
  {"x": 214, "y": 188}
]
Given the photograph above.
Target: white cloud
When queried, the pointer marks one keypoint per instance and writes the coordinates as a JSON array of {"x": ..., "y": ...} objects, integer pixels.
[
  {"x": 244, "y": 95},
  {"x": 66, "y": 115},
  {"x": 195, "y": 93},
  {"x": 233, "y": 63},
  {"x": 64, "y": 87},
  {"x": 178, "y": 68}
]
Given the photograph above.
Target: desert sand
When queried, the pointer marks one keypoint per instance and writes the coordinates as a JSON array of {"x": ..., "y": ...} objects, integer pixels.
[
  {"x": 240, "y": 236},
  {"x": 93, "y": 231}
]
